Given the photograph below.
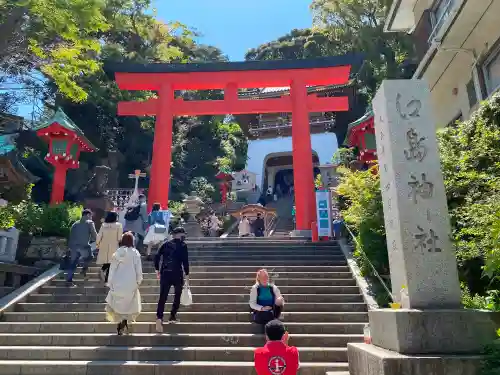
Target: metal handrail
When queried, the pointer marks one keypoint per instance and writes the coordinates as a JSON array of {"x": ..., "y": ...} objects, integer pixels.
[
  {"x": 358, "y": 247},
  {"x": 271, "y": 226}
]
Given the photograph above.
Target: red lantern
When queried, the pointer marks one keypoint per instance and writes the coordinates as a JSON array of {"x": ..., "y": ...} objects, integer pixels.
[{"x": 66, "y": 141}]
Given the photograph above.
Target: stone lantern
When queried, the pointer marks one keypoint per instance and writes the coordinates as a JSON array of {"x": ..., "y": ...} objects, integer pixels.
[
  {"x": 66, "y": 141},
  {"x": 193, "y": 207}
]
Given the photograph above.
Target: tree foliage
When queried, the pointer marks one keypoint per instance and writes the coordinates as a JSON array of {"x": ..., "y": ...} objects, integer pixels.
[
  {"x": 59, "y": 38},
  {"x": 357, "y": 25},
  {"x": 70, "y": 43},
  {"x": 361, "y": 193},
  {"x": 344, "y": 26},
  {"x": 470, "y": 156}
]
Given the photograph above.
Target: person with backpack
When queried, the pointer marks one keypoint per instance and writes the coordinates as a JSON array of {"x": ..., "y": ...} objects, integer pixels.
[
  {"x": 157, "y": 232},
  {"x": 136, "y": 220},
  {"x": 81, "y": 235},
  {"x": 171, "y": 264},
  {"x": 266, "y": 301}
]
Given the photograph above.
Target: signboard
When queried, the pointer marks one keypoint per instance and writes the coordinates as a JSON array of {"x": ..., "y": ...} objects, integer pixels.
[{"x": 323, "y": 213}]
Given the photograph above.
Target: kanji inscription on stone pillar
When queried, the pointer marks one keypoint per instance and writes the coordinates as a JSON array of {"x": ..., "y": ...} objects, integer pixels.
[{"x": 421, "y": 254}]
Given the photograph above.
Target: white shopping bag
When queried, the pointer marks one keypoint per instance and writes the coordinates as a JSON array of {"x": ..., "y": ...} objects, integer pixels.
[{"x": 186, "y": 296}]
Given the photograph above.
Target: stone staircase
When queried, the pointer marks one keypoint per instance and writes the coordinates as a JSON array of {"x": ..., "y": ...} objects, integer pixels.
[{"x": 62, "y": 330}]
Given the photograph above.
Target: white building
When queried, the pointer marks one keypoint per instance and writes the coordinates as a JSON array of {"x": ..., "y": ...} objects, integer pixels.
[
  {"x": 458, "y": 48},
  {"x": 270, "y": 141}
]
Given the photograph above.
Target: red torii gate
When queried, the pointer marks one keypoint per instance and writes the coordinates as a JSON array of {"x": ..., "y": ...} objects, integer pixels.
[{"x": 297, "y": 74}]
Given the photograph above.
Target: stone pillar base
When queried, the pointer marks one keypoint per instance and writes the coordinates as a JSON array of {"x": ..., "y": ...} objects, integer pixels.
[
  {"x": 301, "y": 233},
  {"x": 409, "y": 331},
  {"x": 367, "y": 359},
  {"x": 193, "y": 229}
]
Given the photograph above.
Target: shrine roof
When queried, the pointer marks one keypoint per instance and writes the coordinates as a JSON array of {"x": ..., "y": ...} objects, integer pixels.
[
  {"x": 11, "y": 159},
  {"x": 266, "y": 91},
  {"x": 62, "y": 119},
  {"x": 367, "y": 116},
  {"x": 354, "y": 60}
]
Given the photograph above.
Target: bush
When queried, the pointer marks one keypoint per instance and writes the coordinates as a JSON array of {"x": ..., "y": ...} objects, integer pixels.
[
  {"x": 57, "y": 220},
  {"x": 360, "y": 191},
  {"x": 41, "y": 219},
  {"x": 491, "y": 361},
  {"x": 470, "y": 157},
  {"x": 6, "y": 218}
]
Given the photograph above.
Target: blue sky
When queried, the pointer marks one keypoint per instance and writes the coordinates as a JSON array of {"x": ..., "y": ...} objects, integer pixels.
[{"x": 237, "y": 25}]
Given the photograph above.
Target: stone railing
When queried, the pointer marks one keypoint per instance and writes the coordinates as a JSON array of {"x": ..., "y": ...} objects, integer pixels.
[{"x": 13, "y": 276}]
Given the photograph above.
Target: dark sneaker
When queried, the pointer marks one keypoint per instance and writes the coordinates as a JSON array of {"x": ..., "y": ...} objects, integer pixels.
[
  {"x": 70, "y": 284},
  {"x": 173, "y": 319}
]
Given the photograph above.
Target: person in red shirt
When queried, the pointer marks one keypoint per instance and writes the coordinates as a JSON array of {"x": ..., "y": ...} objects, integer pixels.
[{"x": 276, "y": 357}]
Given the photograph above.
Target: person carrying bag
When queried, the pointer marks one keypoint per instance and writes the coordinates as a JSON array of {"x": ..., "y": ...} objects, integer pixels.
[{"x": 171, "y": 264}]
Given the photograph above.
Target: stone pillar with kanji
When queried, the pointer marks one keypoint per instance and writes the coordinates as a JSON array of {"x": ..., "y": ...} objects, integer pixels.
[{"x": 431, "y": 326}]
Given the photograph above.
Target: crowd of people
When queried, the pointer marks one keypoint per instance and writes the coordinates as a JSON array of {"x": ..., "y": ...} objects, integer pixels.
[{"x": 122, "y": 272}]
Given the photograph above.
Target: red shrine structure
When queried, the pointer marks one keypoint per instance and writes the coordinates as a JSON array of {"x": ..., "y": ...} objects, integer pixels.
[
  {"x": 66, "y": 141},
  {"x": 224, "y": 185},
  {"x": 361, "y": 134},
  {"x": 165, "y": 79}
]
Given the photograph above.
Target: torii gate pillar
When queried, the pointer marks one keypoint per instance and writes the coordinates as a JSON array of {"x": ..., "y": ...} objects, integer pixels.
[{"x": 159, "y": 185}]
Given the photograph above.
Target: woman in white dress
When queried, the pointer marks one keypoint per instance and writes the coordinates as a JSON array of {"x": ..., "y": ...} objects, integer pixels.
[
  {"x": 123, "y": 303},
  {"x": 244, "y": 228}
]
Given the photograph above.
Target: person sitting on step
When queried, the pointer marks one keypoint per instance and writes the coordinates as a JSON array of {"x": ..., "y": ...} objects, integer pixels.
[{"x": 266, "y": 300}]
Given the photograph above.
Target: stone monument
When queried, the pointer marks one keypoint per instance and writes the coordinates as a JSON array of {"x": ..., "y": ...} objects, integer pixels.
[
  {"x": 8, "y": 245},
  {"x": 193, "y": 208},
  {"x": 431, "y": 327}
]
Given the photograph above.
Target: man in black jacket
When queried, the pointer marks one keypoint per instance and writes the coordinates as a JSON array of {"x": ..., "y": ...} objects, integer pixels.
[{"x": 171, "y": 263}]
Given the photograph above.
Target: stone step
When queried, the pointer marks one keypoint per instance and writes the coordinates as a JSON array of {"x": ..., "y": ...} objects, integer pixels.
[
  {"x": 280, "y": 249},
  {"x": 189, "y": 339},
  {"x": 199, "y": 306},
  {"x": 244, "y": 275},
  {"x": 231, "y": 289},
  {"x": 182, "y": 327},
  {"x": 148, "y": 268},
  {"x": 195, "y": 282},
  {"x": 259, "y": 263},
  {"x": 216, "y": 298},
  {"x": 185, "y": 316},
  {"x": 159, "y": 353},
  {"x": 283, "y": 258},
  {"x": 151, "y": 367},
  {"x": 251, "y": 254}
]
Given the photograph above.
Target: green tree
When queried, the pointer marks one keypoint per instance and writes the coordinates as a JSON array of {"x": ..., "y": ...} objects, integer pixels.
[
  {"x": 357, "y": 25},
  {"x": 59, "y": 38},
  {"x": 298, "y": 44}
]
